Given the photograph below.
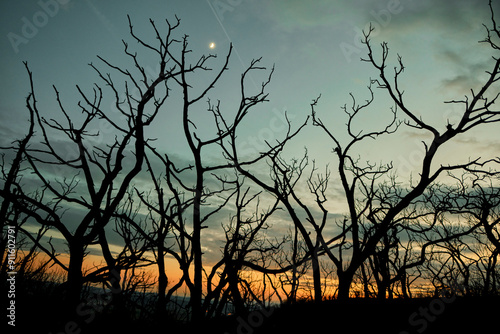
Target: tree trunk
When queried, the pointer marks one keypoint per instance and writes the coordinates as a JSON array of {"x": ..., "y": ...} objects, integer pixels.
[
  {"x": 404, "y": 287},
  {"x": 345, "y": 281},
  {"x": 233, "y": 279},
  {"x": 196, "y": 293},
  {"x": 316, "y": 278},
  {"x": 366, "y": 287},
  {"x": 162, "y": 283},
  {"x": 381, "y": 289},
  {"x": 75, "y": 276}
]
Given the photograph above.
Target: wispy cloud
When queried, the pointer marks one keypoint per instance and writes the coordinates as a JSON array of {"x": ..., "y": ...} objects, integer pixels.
[
  {"x": 296, "y": 15},
  {"x": 466, "y": 72}
]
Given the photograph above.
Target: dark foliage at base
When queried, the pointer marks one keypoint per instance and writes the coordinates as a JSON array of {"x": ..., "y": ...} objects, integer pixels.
[
  {"x": 39, "y": 310},
  {"x": 422, "y": 315}
]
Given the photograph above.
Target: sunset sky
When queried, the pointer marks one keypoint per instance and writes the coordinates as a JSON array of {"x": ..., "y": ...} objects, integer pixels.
[{"x": 314, "y": 46}]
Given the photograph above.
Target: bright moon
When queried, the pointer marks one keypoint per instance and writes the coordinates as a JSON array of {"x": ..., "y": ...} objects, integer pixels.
[{"x": 212, "y": 45}]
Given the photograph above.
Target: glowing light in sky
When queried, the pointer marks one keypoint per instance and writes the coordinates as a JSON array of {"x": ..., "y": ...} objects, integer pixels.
[{"x": 212, "y": 45}]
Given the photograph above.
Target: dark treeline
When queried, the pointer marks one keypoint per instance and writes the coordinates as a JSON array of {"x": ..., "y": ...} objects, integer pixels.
[{"x": 95, "y": 179}]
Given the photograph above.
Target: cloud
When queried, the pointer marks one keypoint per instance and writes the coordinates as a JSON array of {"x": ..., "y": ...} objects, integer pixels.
[
  {"x": 449, "y": 33},
  {"x": 389, "y": 15},
  {"x": 294, "y": 15},
  {"x": 459, "y": 16},
  {"x": 428, "y": 24},
  {"x": 467, "y": 66},
  {"x": 478, "y": 145}
]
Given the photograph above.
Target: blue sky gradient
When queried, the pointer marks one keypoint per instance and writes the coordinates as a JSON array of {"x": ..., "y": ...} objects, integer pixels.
[{"x": 314, "y": 46}]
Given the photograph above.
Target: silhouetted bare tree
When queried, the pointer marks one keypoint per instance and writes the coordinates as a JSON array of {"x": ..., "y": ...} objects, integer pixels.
[
  {"x": 359, "y": 182},
  {"x": 243, "y": 244},
  {"x": 89, "y": 190},
  {"x": 475, "y": 256},
  {"x": 91, "y": 175}
]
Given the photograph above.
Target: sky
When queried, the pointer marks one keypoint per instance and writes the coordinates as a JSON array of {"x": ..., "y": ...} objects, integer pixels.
[{"x": 313, "y": 45}]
